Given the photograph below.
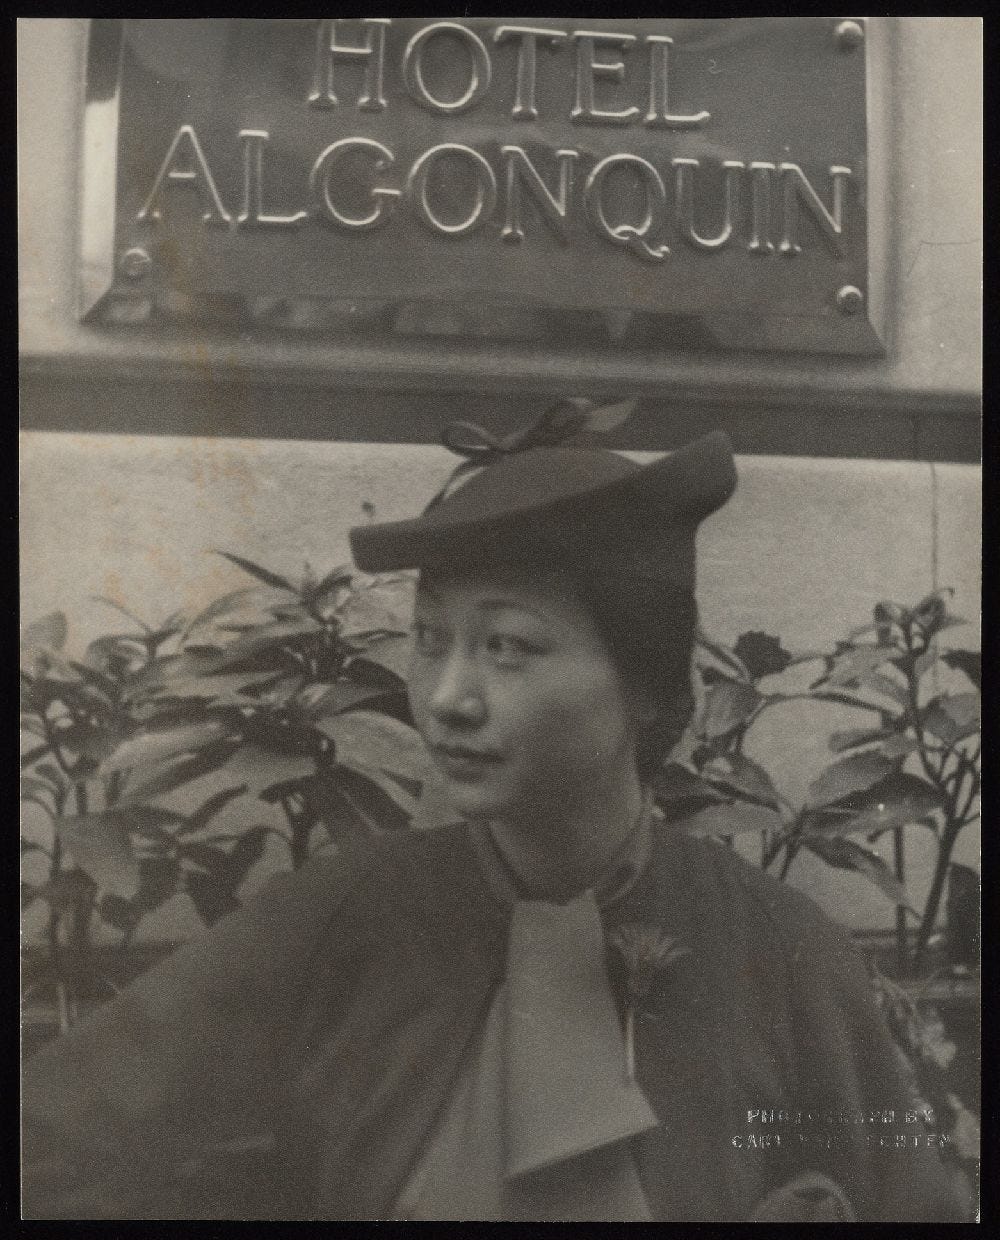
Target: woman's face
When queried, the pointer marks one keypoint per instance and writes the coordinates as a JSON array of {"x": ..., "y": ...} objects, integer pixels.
[{"x": 517, "y": 697}]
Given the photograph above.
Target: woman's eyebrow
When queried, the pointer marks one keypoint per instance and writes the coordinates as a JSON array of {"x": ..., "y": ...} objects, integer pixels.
[{"x": 509, "y": 604}]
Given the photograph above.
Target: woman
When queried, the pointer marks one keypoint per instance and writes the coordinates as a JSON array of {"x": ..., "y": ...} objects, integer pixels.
[{"x": 550, "y": 1006}]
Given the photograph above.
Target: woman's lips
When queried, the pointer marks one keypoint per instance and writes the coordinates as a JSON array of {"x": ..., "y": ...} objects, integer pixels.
[{"x": 463, "y": 761}]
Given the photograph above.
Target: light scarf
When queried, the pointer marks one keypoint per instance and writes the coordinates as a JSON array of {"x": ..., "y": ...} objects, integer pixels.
[{"x": 538, "y": 1125}]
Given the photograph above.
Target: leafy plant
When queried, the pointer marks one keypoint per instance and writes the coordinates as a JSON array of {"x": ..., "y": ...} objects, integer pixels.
[
  {"x": 290, "y": 693},
  {"x": 925, "y": 1056},
  {"x": 915, "y": 762}
]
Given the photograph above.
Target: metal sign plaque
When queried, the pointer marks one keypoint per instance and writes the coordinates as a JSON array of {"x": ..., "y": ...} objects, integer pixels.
[{"x": 706, "y": 170}]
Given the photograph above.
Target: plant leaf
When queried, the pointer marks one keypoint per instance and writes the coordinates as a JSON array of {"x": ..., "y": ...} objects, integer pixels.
[
  {"x": 732, "y": 819},
  {"x": 225, "y": 687},
  {"x": 434, "y": 807},
  {"x": 680, "y": 792},
  {"x": 743, "y": 777},
  {"x": 968, "y": 661},
  {"x": 51, "y": 772},
  {"x": 952, "y": 717},
  {"x": 173, "y": 774},
  {"x": 852, "y": 774},
  {"x": 267, "y": 638},
  {"x": 931, "y": 612},
  {"x": 258, "y": 571},
  {"x": 212, "y": 900},
  {"x": 338, "y": 697},
  {"x": 245, "y": 853},
  {"x": 353, "y": 798},
  {"x": 342, "y": 575},
  {"x": 847, "y": 854},
  {"x": 235, "y": 600},
  {"x": 257, "y": 767},
  {"x": 209, "y": 856},
  {"x": 158, "y": 746},
  {"x": 899, "y": 745},
  {"x": 899, "y": 800},
  {"x": 115, "y": 654},
  {"x": 962, "y": 708},
  {"x": 406, "y": 801},
  {"x": 33, "y": 755},
  {"x": 69, "y": 890},
  {"x": 761, "y": 654},
  {"x": 727, "y": 705},
  {"x": 87, "y": 739},
  {"x": 209, "y": 808},
  {"x": 367, "y": 738},
  {"x": 150, "y": 820},
  {"x": 100, "y": 844},
  {"x": 392, "y": 652},
  {"x": 885, "y": 685},
  {"x": 48, "y": 633},
  {"x": 843, "y": 699},
  {"x": 851, "y": 738},
  {"x": 110, "y": 602},
  {"x": 723, "y": 654},
  {"x": 34, "y": 787},
  {"x": 97, "y": 681},
  {"x": 849, "y": 666}
]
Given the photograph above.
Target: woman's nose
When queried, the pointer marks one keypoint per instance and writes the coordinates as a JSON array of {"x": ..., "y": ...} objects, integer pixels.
[{"x": 457, "y": 698}]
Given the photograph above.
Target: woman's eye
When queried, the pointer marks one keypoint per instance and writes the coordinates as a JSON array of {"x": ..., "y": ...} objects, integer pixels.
[
  {"x": 510, "y": 651},
  {"x": 429, "y": 639}
]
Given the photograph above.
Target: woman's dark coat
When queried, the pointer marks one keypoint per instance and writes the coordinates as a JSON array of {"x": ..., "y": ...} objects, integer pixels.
[{"x": 291, "y": 1062}]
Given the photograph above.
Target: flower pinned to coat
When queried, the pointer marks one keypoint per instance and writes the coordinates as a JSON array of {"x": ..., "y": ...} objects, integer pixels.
[{"x": 645, "y": 951}]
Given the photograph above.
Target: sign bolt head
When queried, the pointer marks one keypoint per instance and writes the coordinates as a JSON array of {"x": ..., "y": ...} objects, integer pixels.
[
  {"x": 134, "y": 263},
  {"x": 849, "y": 299},
  {"x": 849, "y": 35}
]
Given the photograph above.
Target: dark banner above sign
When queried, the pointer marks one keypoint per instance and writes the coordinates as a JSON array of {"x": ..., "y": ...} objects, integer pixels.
[{"x": 710, "y": 173}]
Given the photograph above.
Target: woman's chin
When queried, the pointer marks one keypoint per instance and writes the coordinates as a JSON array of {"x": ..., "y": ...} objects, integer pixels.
[{"x": 473, "y": 802}]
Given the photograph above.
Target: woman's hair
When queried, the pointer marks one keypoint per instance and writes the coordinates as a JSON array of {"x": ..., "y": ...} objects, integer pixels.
[
  {"x": 645, "y": 610},
  {"x": 648, "y": 623}
]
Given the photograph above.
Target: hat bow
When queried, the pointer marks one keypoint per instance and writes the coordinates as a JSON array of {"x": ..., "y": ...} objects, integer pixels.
[{"x": 567, "y": 417}]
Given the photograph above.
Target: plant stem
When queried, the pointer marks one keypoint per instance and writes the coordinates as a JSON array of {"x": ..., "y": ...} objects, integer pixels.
[
  {"x": 299, "y": 826},
  {"x": 951, "y": 830},
  {"x": 899, "y": 866},
  {"x": 62, "y": 999},
  {"x": 935, "y": 776},
  {"x": 790, "y": 855},
  {"x": 630, "y": 1043},
  {"x": 770, "y": 853},
  {"x": 55, "y": 947},
  {"x": 953, "y": 820}
]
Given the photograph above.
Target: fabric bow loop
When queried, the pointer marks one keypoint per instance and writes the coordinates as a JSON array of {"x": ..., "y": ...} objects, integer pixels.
[
  {"x": 561, "y": 421},
  {"x": 471, "y": 441}
]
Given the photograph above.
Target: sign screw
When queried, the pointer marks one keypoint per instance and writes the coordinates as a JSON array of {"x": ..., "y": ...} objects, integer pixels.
[
  {"x": 849, "y": 299},
  {"x": 134, "y": 263},
  {"x": 849, "y": 35}
]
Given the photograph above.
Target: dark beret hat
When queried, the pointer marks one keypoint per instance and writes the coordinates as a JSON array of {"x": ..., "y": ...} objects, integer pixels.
[{"x": 521, "y": 490}]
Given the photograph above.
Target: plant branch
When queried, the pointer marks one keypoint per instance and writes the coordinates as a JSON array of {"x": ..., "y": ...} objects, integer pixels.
[
  {"x": 775, "y": 698},
  {"x": 945, "y": 847},
  {"x": 790, "y": 855}
]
